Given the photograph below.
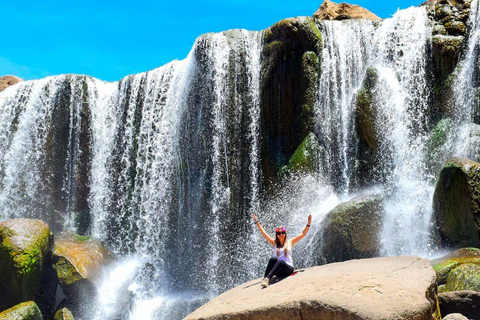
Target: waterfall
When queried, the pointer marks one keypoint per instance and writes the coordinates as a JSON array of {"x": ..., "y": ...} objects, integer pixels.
[
  {"x": 165, "y": 166},
  {"x": 344, "y": 58},
  {"x": 403, "y": 93},
  {"x": 464, "y": 137}
]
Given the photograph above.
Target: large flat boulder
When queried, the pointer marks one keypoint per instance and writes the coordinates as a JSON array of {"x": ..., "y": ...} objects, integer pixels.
[{"x": 378, "y": 288}]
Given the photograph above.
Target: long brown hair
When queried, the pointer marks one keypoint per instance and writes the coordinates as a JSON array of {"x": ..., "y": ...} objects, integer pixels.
[{"x": 277, "y": 243}]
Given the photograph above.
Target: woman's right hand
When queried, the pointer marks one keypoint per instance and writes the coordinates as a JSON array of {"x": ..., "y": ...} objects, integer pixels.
[{"x": 254, "y": 217}]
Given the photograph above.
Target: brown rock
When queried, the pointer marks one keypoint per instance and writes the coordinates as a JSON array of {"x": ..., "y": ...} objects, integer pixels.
[
  {"x": 7, "y": 81},
  {"x": 466, "y": 302},
  {"x": 379, "y": 288},
  {"x": 333, "y": 11},
  {"x": 455, "y": 316}
]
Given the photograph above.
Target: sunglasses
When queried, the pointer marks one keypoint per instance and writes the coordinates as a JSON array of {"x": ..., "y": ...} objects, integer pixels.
[{"x": 281, "y": 232}]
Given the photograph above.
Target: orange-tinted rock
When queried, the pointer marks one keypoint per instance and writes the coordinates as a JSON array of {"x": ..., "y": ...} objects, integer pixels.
[
  {"x": 7, "y": 81},
  {"x": 341, "y": 11}
]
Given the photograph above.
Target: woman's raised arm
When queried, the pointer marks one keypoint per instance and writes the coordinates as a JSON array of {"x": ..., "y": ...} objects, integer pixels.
[
  {"x": 264, "y": 234},
  {"x": 304, "y": 232}
]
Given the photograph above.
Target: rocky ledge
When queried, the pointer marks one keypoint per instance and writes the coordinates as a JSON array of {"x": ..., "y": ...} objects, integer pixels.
[
  {"x": 341, "y": 11},
  {"x": 7, "y": 81},
  {"x": 378, "y": 288}
]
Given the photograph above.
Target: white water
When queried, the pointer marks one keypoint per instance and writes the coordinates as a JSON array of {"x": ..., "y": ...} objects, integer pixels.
[{"x": 166, "y": 142}]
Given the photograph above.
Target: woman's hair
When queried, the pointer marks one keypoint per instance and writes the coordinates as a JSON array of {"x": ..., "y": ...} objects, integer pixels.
[{"x": 277, "y": 241}]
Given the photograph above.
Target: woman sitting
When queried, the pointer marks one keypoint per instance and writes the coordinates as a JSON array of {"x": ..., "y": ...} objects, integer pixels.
[{"x": 281, "y": 264}]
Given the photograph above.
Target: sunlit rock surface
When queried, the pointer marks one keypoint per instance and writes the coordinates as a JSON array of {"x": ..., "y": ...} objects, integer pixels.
[
  {"x": 379, "y": 288},
  {"x": 341, "y": 11}
]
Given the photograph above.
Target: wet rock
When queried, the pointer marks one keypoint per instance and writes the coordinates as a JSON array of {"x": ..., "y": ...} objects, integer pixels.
[
  {"x": 351, "y": 229},
  {"x": 356, "y": 289},
  {"x": 23, "y": 311},
  {"x": 444, "y": 265},
  {"x": 306, "y": 158},
  {"x": 456, "y": 203},
  {"x": 25, "y": 245},
  {"x": 79, "y": 263},
  {"x": 289, "y": 82},
  {"x": 455, "y": 28},
  {"x": 436, "y": 145},
  {"x": 341, "y": 11},
  {"x": 366, "y": 115},
  {"x": 63, "y": 314},
  {"x": 446, "y": 52},
  {"x": 7, "y": 81},
  {"x": 465, "y": 302},
  {"x": 464, "y": 277}
]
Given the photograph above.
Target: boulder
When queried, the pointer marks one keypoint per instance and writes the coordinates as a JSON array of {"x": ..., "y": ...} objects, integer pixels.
[
  {"x": 341, "y": 11},
  {"x": 464, "y": 277},
  {"x": 7, "y": 81},
  {"x": 444, "y": 265},
  {"x": 465, "y": 302},
  {"x": 455, "y": 316},
  {"x": 63, "y": 314},
  {"x": 446, "y": 53},
  {"x": 356, "y": 289},
  {"x": 290, "y": 70},
  {"x": 25, "y": 244},
  {"x": 456, "y": 203},
  {"x": 79, "y": 262},
  {"x": 23, "y": 311},
  {"x": 351, "y": 229}
]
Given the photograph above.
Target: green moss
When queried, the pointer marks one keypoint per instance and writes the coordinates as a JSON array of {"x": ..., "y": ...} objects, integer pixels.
[
  {"x": 436, "y": 142},
  {"x": 81, "y": 238},
  {"x": 23, "y": 311},
  {"x": 66, "y": 272},
  {"x": 464, "y": 277},
  {"x": 306, "y": 156},
  {"x": 314, "y": 28},
  {"x": 63, "y": 314}
]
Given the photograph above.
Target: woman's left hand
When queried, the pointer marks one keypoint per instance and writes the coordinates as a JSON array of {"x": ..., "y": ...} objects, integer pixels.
[{"x": 310, "y": 219}]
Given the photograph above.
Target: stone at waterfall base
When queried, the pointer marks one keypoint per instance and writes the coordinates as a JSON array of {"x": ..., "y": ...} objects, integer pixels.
[{"x": 378, "y": 288}]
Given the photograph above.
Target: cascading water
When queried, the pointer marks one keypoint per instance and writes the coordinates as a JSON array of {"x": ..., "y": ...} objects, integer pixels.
[
  {"x": 464, "y": 135},
  {"x": 344, "y": 58},
  {"x": 165, "y": 166},
  {"x": 402, "y": 96}
]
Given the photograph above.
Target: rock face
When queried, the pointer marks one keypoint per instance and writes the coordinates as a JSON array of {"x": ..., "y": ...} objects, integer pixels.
[
  {"x": 350, "y": 230},
  {"x": 289, "y": 82},
  {"x": 455, "y": 316},
  {"x": 333, "y": 11},
  {"x": 7, "y": 81},
  {"x": 23, "y": 311},
  {"x": 25, "y": 244},
  {"x": 306, "y": 157},
  {"x": 456, "y": 203},
  {"x": 465, "y": 302},
  {"x": 78, "y": 262},
  {"x": 357, "y": 289}
]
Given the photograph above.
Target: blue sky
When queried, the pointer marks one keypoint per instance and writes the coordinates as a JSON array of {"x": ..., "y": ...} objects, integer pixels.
[{"x": 111, "y": 39}]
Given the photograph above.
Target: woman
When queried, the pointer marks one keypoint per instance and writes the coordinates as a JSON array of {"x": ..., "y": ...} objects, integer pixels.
[{"x": 281, "y": 264}]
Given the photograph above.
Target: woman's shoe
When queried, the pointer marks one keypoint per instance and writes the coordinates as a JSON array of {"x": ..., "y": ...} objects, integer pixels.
[{"x": 265, "y": 282}]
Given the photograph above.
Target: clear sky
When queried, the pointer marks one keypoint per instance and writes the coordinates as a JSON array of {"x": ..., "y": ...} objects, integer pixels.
[{"x": 111, "y": 39}]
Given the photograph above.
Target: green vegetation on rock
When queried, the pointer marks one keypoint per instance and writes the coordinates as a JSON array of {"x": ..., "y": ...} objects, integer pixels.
[
  {"x": 365, "y": 111},
  {"x": 436, "y": 143},
  {"x": 306, "y": 157},
  {"x": 464, "y": 277},
  {"x": 443, "y": 266},
  {"x": 351, "y": 229},
  {"x": 24, "y": 246},
  {"x": 63, "y": 314},
  {"x": 23, "y": 311}
]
